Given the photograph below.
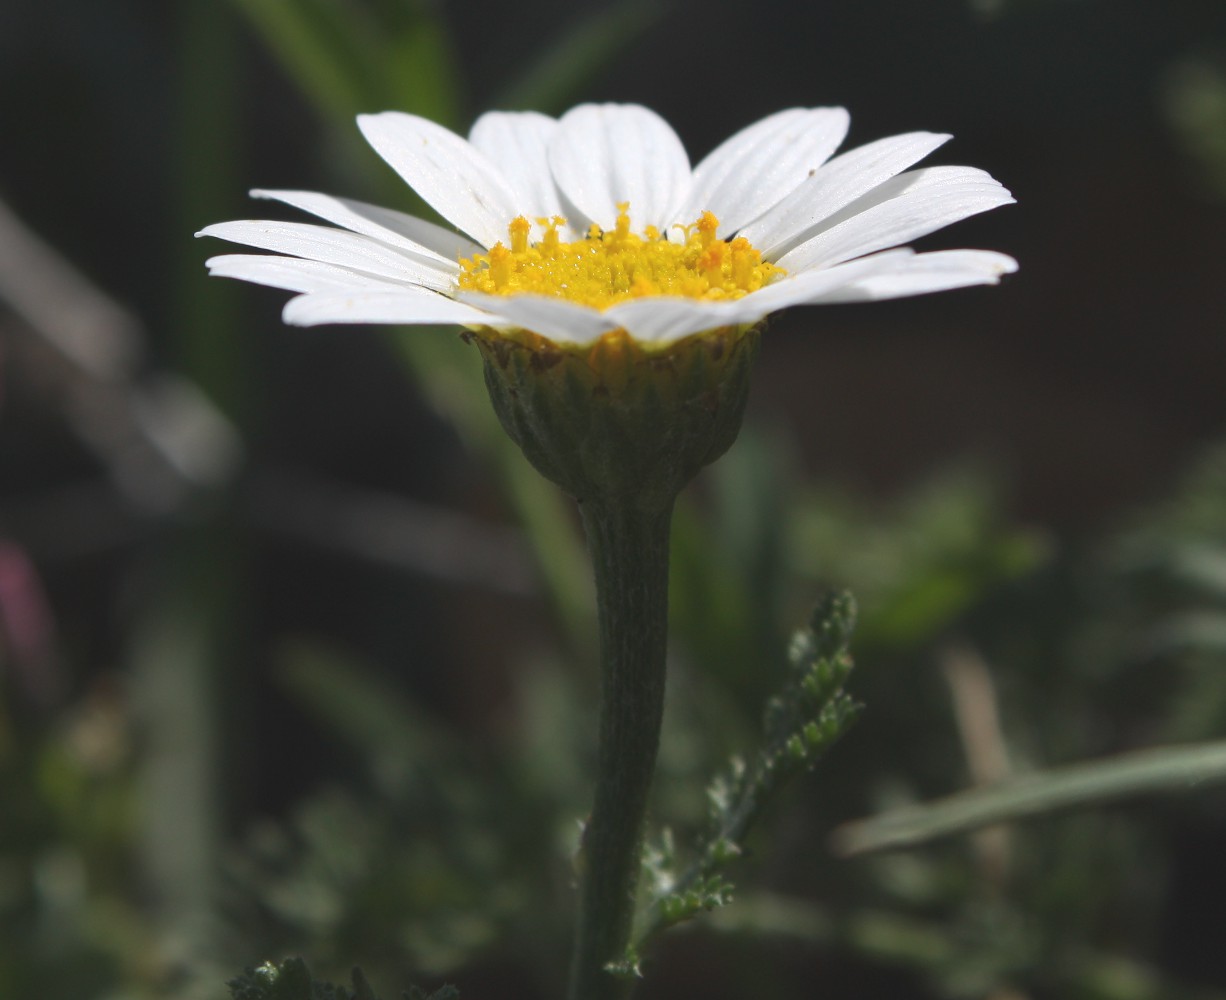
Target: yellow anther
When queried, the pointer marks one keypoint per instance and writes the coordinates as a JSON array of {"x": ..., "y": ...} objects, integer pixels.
[
  {"x": 744, "y": 258},
  {"x": 612, "y": 266},
  {"x": 711, "y": 262},
  {"x": 623, "y": 221},
  {"x": 549, "y": 242},
  {"x": 501, "y": 265},
  {"x": 519, "y": 228}
]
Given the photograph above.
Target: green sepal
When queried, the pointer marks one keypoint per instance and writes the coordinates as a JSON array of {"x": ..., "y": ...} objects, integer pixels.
[{"x": 618, "y": 420}]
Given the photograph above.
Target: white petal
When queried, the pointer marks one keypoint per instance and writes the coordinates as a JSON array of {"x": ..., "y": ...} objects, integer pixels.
[
  {"x": 838, "y": 183},
  {"x": 605, "y": 154},
  {"x": 927, "y": 272},
  {"x": 518, "y": 142},
  {"x": 386, "y": 224},
  {"x": 408, "y": 305},
  {"x": 335, "y": 246},
  {"x": 460, "y": 183},
  {"x": 907, "y": 207},
  {"x": 558, "y": 319},
  {"x": 294, "y": 274},
  {"x": 814, "y": 286},
  {"x": 761, "y": 164},
  {"x": 663, "y": 319}
]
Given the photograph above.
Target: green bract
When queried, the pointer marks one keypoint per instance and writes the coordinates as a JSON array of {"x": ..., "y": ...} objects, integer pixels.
[{"x": 615, "y": 421}]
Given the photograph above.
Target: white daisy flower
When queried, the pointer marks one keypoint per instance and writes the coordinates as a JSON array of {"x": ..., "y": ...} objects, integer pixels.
[{"x": 594, "y": 222}]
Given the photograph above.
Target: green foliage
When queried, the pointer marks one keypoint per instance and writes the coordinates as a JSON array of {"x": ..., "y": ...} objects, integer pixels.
[
  {"x": 1166, "y": 769},
  {"x": 801, "y": 723},
  {"x": 1166, "y": 617},
  {"x": 565, "y": 66},
  {"x": 1086, "y": 650},
  {"x": 442, "y": 993},
  {"x": 1191, "y": 86},
  {"x": 341, "y": 880},
  {"x": 916, "y": 564},
  {"x": 1091, "y": 652},
  {"x": 292, "y": 980},
  {"x": 702, "y": 896},
  {"x": 350, "y": 60},
  {"x": 68, "y": 919}
]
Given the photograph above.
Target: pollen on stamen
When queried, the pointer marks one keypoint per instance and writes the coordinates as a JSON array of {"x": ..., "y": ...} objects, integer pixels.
[
  {"x": 519, "y": 229},
  {"x": 611, "y": 266},
  {"x": 711, "y": 262},
  {"x": 549, "y": 243},
  {"x": 623, "y": 221}
]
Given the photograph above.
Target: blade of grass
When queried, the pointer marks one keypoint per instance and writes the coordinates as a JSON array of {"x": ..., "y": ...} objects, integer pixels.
[
  {"x": 565, "y": 67},
  {"x": 189, "y": 628},
  {"x": 929, "y": 947},
  {"x": 364, "y": 711},
  {"x": 347, "y": 61},
  {"x": 1163, "y": 770},
  {"x": 420, "y": 72},
  {"x": 209, "y": 339},
  {"x": 325, "y": 50}
]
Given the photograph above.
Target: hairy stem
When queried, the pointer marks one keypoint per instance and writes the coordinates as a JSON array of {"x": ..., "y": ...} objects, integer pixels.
[{"x": 629, "y": 548}]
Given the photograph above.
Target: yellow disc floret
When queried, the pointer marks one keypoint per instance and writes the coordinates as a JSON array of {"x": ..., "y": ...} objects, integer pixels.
[{"x": 610, "y": 266}]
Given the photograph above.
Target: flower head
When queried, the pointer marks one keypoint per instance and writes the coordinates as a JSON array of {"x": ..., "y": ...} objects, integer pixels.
[{"x": 595, "y": 222}]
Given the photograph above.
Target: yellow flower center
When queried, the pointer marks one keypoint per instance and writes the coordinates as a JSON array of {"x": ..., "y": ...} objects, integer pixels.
[{"x": 610, "y": 266}]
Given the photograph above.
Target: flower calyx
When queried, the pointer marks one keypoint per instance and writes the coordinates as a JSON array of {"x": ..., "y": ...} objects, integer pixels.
[{"x": 614, "y": 422}]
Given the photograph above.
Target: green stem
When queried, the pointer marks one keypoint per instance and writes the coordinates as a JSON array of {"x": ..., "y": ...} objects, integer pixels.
[{"x": 629, "y": 548}]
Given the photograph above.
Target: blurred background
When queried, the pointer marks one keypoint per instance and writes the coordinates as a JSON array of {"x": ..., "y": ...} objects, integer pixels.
[{"x": 296, "y": 651}]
